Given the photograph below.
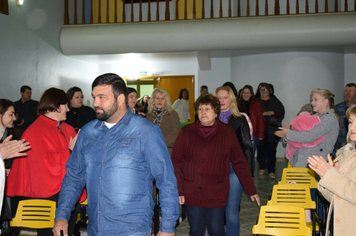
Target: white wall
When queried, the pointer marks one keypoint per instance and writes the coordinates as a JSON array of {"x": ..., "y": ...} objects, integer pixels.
[
  {"x": 30, "y": 52},
  {"x": 219, "y": 74},
  {"x": 350, "y": 68}
]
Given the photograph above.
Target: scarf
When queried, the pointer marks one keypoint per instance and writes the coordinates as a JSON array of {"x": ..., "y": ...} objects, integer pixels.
[
  {"x": 158, "y": 114},
  {"x": 224, "y": 116}
]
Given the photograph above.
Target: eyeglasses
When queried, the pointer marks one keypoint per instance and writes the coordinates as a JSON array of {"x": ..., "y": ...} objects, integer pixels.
[{"x": 263, "y": 89}]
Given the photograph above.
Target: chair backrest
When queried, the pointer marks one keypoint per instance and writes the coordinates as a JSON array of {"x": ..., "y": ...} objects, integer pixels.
[
  {"x": 292, "y": 194},
  {"x": 299, "y": 175},
  {"x": 282, "y": 220},
  {"x": 35, "y": 214}
]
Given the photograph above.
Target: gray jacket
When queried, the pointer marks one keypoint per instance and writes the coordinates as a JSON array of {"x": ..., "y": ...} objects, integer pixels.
[{"x": 329, "y": 127}]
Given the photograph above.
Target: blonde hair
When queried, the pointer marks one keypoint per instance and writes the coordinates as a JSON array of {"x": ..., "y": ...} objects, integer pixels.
[
  {"x": 233, "y": 106},
  {"x": 351, "y": 110},
  {"x": 166, "y": 97},
  {"x": 326, "y": 94}
]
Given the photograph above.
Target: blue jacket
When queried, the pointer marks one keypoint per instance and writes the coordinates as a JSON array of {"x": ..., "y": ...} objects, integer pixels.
[
  {"x": 340, "y": 110},
  {"x": 118, "y": 166}
]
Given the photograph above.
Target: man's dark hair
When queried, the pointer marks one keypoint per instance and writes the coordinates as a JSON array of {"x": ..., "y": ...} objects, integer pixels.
[
  {"x": 118, "y": 85},
  {"x": 351, "y": 85},
  {"x": 203, "y": 87},
  {"x": 23, "y": 88},
  {"x": 51, "y": 100},
  {"x": 72, "y": 91},
  {"x": 181, "y": 93}
]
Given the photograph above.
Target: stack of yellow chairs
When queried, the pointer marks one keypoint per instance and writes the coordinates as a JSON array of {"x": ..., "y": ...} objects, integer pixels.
[{"x": 285, "y": 212}]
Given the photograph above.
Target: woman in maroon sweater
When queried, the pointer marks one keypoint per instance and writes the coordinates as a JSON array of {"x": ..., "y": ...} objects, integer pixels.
[{"x": 201, "y": 159}]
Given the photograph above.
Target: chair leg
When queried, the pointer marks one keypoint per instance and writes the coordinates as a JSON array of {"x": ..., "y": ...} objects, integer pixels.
[{"x": 15, "y": 231}]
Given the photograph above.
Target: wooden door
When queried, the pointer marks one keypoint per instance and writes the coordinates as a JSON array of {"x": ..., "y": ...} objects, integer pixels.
[{"x": 173, "y": 85}]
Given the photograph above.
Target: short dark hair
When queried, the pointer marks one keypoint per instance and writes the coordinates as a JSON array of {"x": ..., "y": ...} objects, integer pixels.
[
  {"x": 24, "y": 87},
  {"x": 131, "y": 90},
  {"x": 203, "y": 87},
  {"x": 4, "y": 105},
  {"x": 350, "y": 85},
  {"x": 72, "y": 91},
  {"x": 208, "y": 99},
  {"x": 51, "y": 100},
  {"x": 233, "y": 88},
  {"x": 181, "y": 93},
  {"x": 118, "y": 85}
]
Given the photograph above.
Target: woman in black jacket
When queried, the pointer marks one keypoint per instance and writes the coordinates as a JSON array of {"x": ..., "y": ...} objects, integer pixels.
[
  {"x": 230, "y": 114},
  {"x": 78, "y": 114}
]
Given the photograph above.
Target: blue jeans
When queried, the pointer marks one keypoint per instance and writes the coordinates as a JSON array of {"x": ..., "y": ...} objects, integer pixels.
[
  {"x": 233, "y": 203},
  {"x": 201, "y": 217}
]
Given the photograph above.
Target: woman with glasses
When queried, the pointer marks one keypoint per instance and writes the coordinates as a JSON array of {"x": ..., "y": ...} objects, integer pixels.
[{"x": 273, "y": 114}]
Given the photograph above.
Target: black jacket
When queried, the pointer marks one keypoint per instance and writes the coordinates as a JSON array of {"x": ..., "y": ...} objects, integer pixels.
[
  {"x": 242, "y": 131},
  {"x": 78, "y": 117}
]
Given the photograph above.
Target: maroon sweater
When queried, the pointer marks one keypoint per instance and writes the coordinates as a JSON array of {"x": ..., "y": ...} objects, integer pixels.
[{"x": 202, "y": 165}]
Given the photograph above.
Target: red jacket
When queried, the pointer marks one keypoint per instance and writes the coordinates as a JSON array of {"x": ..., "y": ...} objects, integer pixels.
[
  {"x": 40, "y": 174},
  {"x": 256, "y": 117},
  {"x": 202, "y": 165}
]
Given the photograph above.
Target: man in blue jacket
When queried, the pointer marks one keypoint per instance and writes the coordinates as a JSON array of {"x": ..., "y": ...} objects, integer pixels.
[
  {"x": 340, "y": 109},
  {"x": 117, "y": 157}
]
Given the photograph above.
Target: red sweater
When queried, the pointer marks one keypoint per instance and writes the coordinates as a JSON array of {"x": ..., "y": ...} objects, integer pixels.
[
  {"x": 40, "y": 174},
  {"x": 202, "y": 165}
]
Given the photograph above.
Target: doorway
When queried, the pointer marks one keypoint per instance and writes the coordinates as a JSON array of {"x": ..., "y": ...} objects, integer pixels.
[{"x": 171, "y": 83}]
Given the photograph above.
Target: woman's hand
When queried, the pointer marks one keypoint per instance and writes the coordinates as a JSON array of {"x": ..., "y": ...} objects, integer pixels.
[
  {"x": 256, "y": 198},
  {"x": 268, "y": 113},
  {"x": 72, "y": 141},
  {"x": 181, "y": 200},
  {"x": 282, "y": 132},
  {"x": 319, "y": 165},
  {"x": 13, "y": 148}
]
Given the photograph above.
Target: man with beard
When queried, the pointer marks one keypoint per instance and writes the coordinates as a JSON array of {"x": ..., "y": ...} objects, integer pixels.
[
  {"x": 340, "y": 110},
  {"x": 117, "y": 157}
]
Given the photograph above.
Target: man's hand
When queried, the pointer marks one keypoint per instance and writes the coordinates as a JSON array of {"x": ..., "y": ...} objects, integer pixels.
[
  {"x": 164, "y": 234},
  {"x": 60, "y": 225}
]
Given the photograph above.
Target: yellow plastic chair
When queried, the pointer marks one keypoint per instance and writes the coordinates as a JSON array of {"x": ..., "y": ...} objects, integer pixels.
[
  {"x": 289, "y": 165},
  {"x": 34, "y": 214},
  {"x": 299, "y": 175},
  {"x": 282, "y": 220},
  {"x": 292, "y": 194}
]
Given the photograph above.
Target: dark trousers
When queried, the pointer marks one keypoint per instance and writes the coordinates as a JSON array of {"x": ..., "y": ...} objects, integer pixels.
[
  {"x": 201, "y": 217},
  {"x": 266, "y": 152}
]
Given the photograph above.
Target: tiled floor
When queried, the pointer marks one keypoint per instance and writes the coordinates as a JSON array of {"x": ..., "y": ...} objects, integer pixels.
[{"x": 249, "y": 210}]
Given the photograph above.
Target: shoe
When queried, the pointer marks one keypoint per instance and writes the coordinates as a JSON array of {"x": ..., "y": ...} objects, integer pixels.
[
  {"x": 261, "y": 172},
  {"x": 272, "y": 176}
]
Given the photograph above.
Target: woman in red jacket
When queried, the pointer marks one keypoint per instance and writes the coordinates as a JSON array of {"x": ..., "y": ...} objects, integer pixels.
[
  {"x": 40, "y": 174},
  {"x": 201, "y": 159},
  {"x": 254, "y": 111}
]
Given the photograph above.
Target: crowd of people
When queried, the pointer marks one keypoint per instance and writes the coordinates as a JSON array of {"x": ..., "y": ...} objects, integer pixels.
[{"x": 118, "y": 154}]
